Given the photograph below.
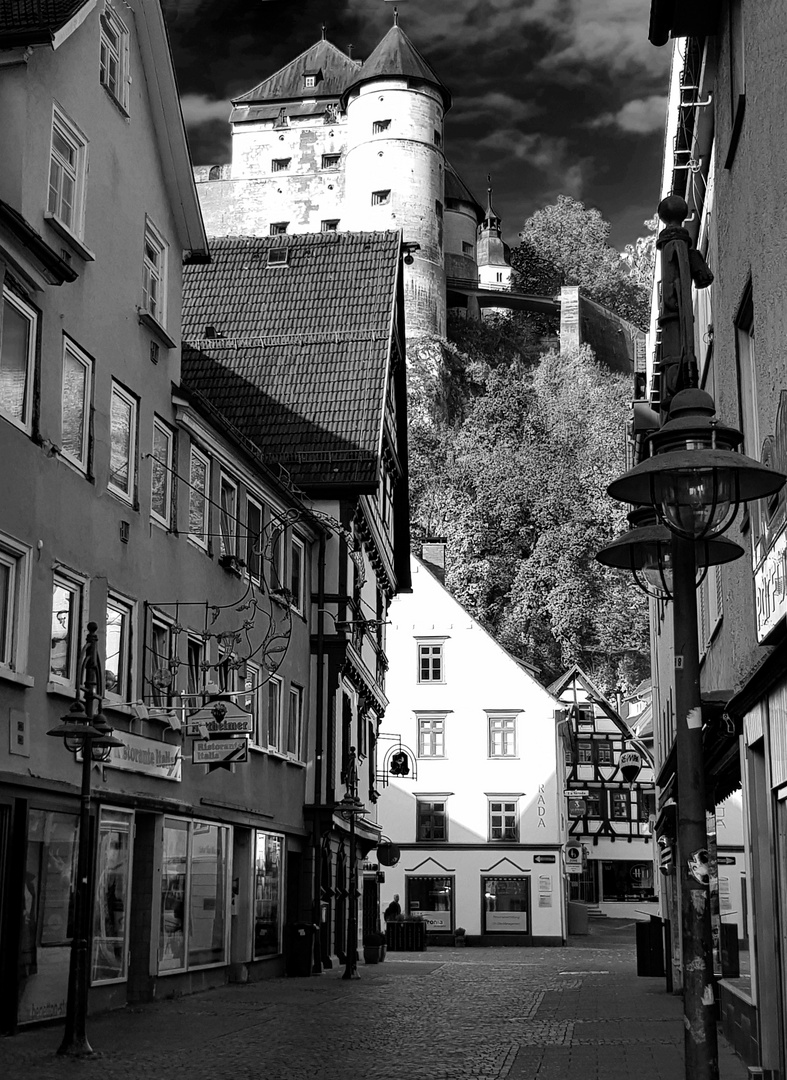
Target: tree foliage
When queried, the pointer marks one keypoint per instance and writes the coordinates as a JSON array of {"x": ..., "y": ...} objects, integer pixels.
[
  {"x": 516, "y": 480},
  {"x": 568, "y": 244}
]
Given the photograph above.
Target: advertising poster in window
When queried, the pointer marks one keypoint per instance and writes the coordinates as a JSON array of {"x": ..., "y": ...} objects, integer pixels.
[
  {"x": 506, "y": 906},
  {"x": 431, "y": 899},
  {"x": 47, "y": 915}
]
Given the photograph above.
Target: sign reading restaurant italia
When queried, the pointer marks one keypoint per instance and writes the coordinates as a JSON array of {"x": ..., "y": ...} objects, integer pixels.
[{"x": 769, "y": 521}]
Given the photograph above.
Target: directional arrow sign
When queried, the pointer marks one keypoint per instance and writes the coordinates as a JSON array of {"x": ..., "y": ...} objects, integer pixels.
[
  {"x": 222, "y": 716},
  {"x": 220, "y": 752}
]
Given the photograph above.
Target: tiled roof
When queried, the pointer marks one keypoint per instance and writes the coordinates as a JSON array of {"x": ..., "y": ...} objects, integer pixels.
[
  {"x": 397, "y": 56},
  {"x": 300, "y": 366},
  {"x": 33, "y": 22},
  {"x": 336, "y": 69},
  {"x": 456, "y": 188}
]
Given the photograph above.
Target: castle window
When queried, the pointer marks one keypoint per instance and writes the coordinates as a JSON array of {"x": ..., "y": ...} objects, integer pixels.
[
  {"x": 379, "y": 198},
  {"x": 379, "y": 126},
  {"x": 278, "y": 228},
  {"x": 467, "y": 249},
  {"x": 329, "y": 226},
  {"x": 282, "y": 119},
  {"x": 280, "y": 164},
  {"x": 214, "y": 172},
  {"x": 330, "y": 161},
  {"x": 438, "y": 138},
  {"x": 438, "y": 208}
]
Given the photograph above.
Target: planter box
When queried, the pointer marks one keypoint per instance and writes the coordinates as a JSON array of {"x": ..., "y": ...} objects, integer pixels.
[{"x": 407, "y": 936}]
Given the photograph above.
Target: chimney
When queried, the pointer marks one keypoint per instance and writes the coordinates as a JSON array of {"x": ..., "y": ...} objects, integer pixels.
[{"x": 433, "y": 554}]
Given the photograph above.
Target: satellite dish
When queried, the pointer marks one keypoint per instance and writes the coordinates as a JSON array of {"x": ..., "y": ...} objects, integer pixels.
[{"x": 388, "y": 854}]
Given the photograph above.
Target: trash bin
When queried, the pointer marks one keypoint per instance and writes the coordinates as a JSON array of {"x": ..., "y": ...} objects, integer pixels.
[
  {"x": 300, "y": 949},
  {"x": 577, "y": 917},
  {"x": 650, "y": 947}
]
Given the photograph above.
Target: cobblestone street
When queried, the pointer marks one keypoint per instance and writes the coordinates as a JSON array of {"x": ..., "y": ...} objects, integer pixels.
[{"x": 480, "y": 1014}]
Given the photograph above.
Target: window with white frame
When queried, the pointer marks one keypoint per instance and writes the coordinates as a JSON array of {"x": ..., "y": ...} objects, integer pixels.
[
  {"x": 119, "y": 655},
  {"x": 277, "y": 549},
  {"x": 67, "y": 600},
  {"x": 17, "y": 360},
  {"x": 619, "y": 805},
  {"x": 161, "y": 473},
  {"x": 295, "y": 722},
  {"x": 154, "y": 274},
  {"x": 431, "y": 736},
  {"x": 114, "y": 53},
  {"x": 273, "y": 712},
  {"x": 502, "y": 735},
  {"x": 253, "y": 538},
  {"x": 430, "y": 662},
  {"x": 75, "y": 405},
  {"x": 252, "y": 701},
  {"x": 195, "y": 657},
  {"x": 123, "y": 442},
  {"x": 229, "y": 515},
  {"x": 159, "y": 659},
  {"x": 67, "y": 174},
  {"x": 14, "y": 602},
  {"x": 431, "y": 820},
  {"x": 227, "y": 670},
  {"x": 199, "y": 493},
  {"x": 297, "y": 573},
  {"x": 504, "y": 818}
]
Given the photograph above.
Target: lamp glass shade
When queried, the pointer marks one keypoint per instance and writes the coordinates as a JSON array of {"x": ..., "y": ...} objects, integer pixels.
[{"x": 696, "y": 503}]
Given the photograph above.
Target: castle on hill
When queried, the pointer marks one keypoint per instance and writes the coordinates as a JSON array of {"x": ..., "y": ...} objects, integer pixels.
[{"x": 330, "y": 143}]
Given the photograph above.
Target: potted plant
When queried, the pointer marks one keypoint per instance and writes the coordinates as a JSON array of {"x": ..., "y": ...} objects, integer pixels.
[
  {"x": 374, "y": 948},
  {"x": 460, "y": 938}
]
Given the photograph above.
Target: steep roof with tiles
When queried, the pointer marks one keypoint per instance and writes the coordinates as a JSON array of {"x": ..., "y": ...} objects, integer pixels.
[
  {"x": 333, "y": 70},
  {"x": 35, "y": 22},
  {"x": 291, "y": 338}
]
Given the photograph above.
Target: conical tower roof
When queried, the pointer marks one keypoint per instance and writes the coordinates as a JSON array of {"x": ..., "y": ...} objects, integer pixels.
[
  {"x": 335, "y": 70},
  {"x": 397, "y": 57}
]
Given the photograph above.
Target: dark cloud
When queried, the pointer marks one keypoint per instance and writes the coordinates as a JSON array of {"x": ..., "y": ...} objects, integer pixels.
[{"x": 550, "y": 96}]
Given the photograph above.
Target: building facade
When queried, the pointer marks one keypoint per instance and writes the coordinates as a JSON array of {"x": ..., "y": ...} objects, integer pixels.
[{"x": 475, "y": 810}]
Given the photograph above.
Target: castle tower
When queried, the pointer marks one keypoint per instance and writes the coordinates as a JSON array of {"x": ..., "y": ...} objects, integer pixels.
[
  {"x": 395, "y": 167},
  {"x": 494, "y": 256},
  {"x": 463, "y": 215}
]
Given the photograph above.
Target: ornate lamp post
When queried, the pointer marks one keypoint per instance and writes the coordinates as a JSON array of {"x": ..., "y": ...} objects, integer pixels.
[
  {"x": 349, "y": 808},
  {"x": 83, "y": 730},
  {"x": 695, "y": 480}
]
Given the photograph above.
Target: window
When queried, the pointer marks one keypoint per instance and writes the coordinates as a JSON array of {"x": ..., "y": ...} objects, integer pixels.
[
  {"x": 604, "y": 753},
  {"x": 593, "y": 804},
  {"x": 268, "y": 894},
  {"x": 193, "y": 930},
  {"x": 506, "y": 904},
  {"x": 14, "y": 595},
  {"x": 438, "y": 208},
  {"x": 279, "y": 257},
  {"x": 438, "y": 138},
  {"x": 66, "y": 629},
  {"x": 431, "y": 736},
  {"x": 467, "y": 248},
  {"x": 499, "y": 276},
  {"x": 118, "y": 676},
  {"x": 273, "y": 712},
  {"x": 297, "y": 574},
  {"x": 585, "y": 753},
  {"x": 161, "y": 473},
  {"x": 195, "y": 658},
  {"x": 229, "y": 515},
  {"x": 67, "y": 173},
  {"x": 123, "y": 439},
  {"x": 379, "y": 126},
  {"x": 112, "y": 896},
  {"x": 159, "y": 662},
  {"x": 309, "y": 80},
  {"x": 227, "y": 670},
  {"x": 295, "y": 722},
  {"x": 279, "y": 228},
  {"x": 331, "y": 225},
  {"x": 154, "y": 275},
  {"x": 252, "y": 699},
  {"x": 253, "y": 538},
  {"x": 199, "y": 480},
  {"x": 502, "y": 736},
  {"x": 430, "y": 662},
  {"x": 75, "y": 412},
  {"x": 431, "y": 820},
  {"x": 430, "y": 898},
  {"x": 278, "y": 540},
  {"x": 646, "y": 805},
  {"x": 113, "y": 64},
  {"x": 17, "y": 357},
  {"x": 747, "y": 377},
  {"x": 331, "y": 161},
  {"x": 380, "y": 198},
  {"x": 503, "y": 819},
  {"x": 280, "y": 164},
  {"x": 619, "y": 805}
]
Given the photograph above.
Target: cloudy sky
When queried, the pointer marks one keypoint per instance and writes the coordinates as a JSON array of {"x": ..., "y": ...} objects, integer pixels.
[{"x": 550, "y": 96}]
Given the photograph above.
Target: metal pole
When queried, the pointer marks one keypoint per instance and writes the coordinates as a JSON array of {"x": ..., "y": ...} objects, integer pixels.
[
  {"x": 699, "y": 1009},
  {"x": 351, "y": 967}
]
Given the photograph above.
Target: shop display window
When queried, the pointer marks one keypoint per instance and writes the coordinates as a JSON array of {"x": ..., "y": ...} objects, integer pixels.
[
  {"x": 625, "y": 879},
  {"x": 112, "y": 896},
  {"x": 506, "y": 905},
  {"x": 432, "y": 899},
  {"x": 267, "y": 895}
]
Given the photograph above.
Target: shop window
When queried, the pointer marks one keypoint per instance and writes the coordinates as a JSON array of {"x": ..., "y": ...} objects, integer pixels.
[
  {"x": 75, "y": 405},
  {"x": 430, "y": 662},
  {"x": 625, "y": 880},
  {"x": 199, "y": 495},
  {"x": 194, "y": 927},
  {"x": 295, "y": 722},
  {"x": 504, "y": 819},
  {"x": 67, "y": 597},
  {"x": 17, "y": 359},
  {"x": 123, "y": 441},
  {"x": 14, "y": 603},
  {"x": 229, "y": 515},
  {"x": 506, "y": 905},
  {"x": 267, "y": 895},
  {"x": 431, "y": 898},
  {"x": 502, "y": 736},
  {"x": 161, "y": 473},
  {"x": 431, "y": 736},
  {"x": 112, "y": 896},
  {"x": 118, "y": 676},
  {"x": 47, "y": 923},
  {"x": 431, "y": 821},
  {"x": 619, "y": 805}
]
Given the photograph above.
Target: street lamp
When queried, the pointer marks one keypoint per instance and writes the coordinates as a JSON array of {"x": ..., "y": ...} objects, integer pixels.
[
  {"x": 695, "y": 480},
  {"x": 349, "y": 808},
  {"x": 86, "y": 731}
]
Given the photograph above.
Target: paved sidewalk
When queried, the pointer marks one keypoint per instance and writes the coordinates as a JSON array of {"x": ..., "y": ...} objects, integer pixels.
[{"x": 578, "y": 1013}]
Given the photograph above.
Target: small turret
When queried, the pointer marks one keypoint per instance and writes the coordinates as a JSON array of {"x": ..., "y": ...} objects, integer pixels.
[{"x": 494, "y": 256}]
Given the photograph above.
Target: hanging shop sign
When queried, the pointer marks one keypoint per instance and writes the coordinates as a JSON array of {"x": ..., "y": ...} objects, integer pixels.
[
  {"x": 220, "y": 752},
  {"x": 577, "y": 808},
  {"x": 220, "y": 717}
]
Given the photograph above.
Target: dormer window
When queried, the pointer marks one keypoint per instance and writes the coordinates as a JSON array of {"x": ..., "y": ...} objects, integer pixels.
[
  {"x": 311, "y": 78},
  {"x": 379, "y": 126},
  {"x": 280, "y": 164},
  {"x": 278, "y": 228}
]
